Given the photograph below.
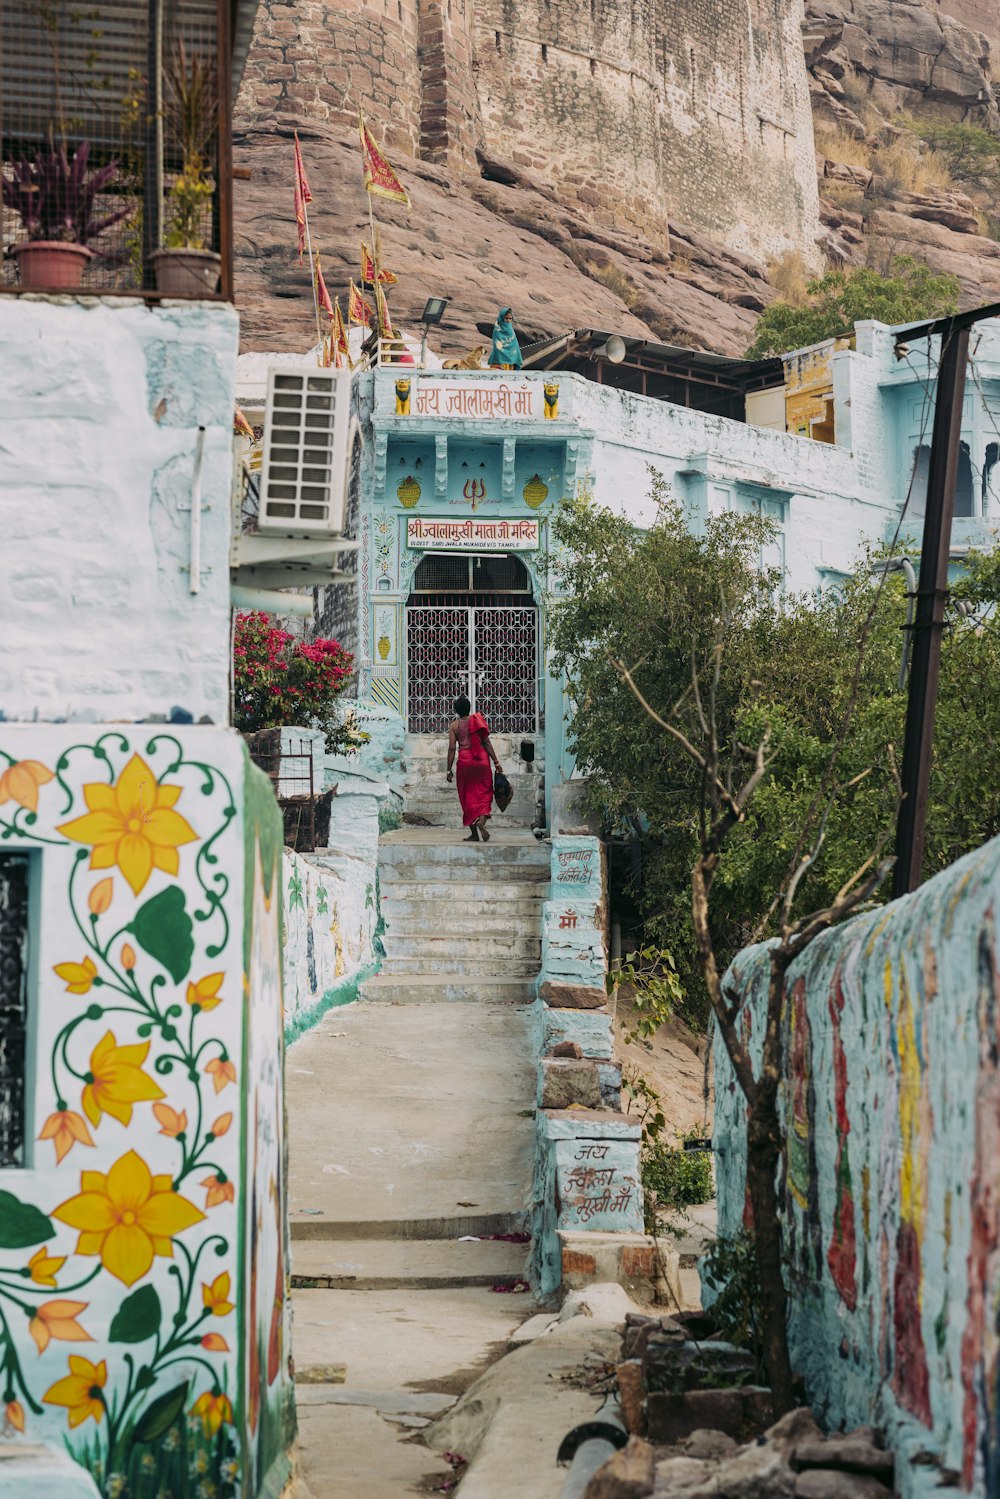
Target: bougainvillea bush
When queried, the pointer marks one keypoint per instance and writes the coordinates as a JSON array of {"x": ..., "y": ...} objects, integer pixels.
[{"x": 279, "y": 680}]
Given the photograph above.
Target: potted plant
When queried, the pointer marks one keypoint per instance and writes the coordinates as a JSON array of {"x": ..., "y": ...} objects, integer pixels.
[
  {"x": 190, "y": 106},
  {"x": 56, "y": 197}
]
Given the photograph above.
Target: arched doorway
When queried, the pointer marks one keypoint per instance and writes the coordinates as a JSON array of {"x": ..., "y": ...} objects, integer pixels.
[{"x": 472, "y": 628}]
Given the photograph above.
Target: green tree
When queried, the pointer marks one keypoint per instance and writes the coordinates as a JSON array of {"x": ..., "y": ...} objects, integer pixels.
[
  {"x": 840, "y": 299},
  {"x": 971, "y": 153}
]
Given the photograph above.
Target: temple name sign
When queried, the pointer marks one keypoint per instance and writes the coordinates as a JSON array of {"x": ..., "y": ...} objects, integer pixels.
[
  {"x": 447, "y": 535},
  {"x": 490, "y": 397}
]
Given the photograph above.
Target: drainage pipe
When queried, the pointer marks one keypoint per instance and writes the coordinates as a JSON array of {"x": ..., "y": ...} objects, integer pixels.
[
  {"x": 586, "y": 1447},
  {"x": 905, "y": 566}
]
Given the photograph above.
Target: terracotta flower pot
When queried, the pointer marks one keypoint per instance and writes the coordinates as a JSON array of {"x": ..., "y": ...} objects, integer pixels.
[
  {"x": 51, "y": 264},
  {"x": 185, "y": 273}
]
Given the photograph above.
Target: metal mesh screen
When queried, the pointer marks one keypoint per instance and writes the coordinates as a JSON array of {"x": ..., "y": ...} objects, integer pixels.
[
  {"x": 488, "y": 654},
  {"x": 13, "y": 1004},
  {"x": 465, "y": 574}
]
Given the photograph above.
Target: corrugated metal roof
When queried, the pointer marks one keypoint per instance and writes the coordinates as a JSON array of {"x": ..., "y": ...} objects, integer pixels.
[{"x": 675, "y": 358}]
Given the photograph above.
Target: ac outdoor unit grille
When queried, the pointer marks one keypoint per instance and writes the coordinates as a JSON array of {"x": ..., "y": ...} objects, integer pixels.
[{"x": 307, "y": 446}]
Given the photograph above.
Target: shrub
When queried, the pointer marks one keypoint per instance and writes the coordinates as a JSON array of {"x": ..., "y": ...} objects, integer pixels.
[
  {"x": 279, "y": 680},
  {"x": 729, "y": 1270},
  {"x": 970, "y": 153},
  {"x": 680, "y": 1178}
]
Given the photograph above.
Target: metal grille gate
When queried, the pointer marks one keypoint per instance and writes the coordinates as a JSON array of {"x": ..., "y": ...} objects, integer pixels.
[{"x": 489, "y": 654}]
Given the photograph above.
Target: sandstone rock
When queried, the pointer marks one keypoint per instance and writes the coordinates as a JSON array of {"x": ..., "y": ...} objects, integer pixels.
[
  {"x": 568, "y": 1049},
  {"x": 758, "y": 1472},
  {"x": 672, "y": 1418},
  {"x": 626, "y": 1475},
  {"x": 630, "y": 1396},
  {"x": 953, "y": 210},
  {"x": 572, "y": 996},
  {"x": 796, "y": 1430},
  {"x": 683, "y": 1478},
  {"x": 710, "y": 1446},
  {"x": 692, "y": 1366},
  {"x": 974, "y": 259},
  {"x": 852, "y": 1452},
  {"x": 637, "y": 1336},
  {"x": 822, "y": 1483},
  {"x": 843, "y": 171},
  {"x": 566, "y": 1081}
]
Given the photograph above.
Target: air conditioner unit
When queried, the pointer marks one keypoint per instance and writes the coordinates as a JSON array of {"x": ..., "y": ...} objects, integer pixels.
[{"x": 309, "y": 434}]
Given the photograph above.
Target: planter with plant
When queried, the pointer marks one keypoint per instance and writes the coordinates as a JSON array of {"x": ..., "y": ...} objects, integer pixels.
[
  {"x": 280, "y": 681},
  {"x": 56, "y": 198},
  {"x": 185, "y": 265}
]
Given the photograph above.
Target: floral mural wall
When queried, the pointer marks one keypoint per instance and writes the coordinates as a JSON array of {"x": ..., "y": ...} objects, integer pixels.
[
  {"x": 891, "y": 1202},
  {"x": 142, "y": 1290}
]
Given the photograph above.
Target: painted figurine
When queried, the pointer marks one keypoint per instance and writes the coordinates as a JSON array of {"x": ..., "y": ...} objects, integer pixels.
[{"x": 506, "y": 351}]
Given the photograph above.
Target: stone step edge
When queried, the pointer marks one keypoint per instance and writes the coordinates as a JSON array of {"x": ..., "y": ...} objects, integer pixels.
[
  {"x": 443, "y": 1228},
  {"x": 442, "y": 1282}
]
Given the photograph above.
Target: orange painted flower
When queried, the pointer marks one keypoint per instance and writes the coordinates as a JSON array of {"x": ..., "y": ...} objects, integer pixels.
[
  {"x": 80, "y": 1391},
  {"x": 78, "y": 976},
  {"x": 57, "y": 1319},
  {"x": 65, "y": 1129},
  {"x": 128, "y": 957},
  {"x": 45, "y": 1267},
  {"x": 118, "y": 1080},
  {"x": 127, "y": 1217},
  {"x": 99, "y": 899},
  {"x": 132, "y": 825},
  {"x": 221, "y": 1073},
  {"x": 13, "y": 1416},
  {"x": 174, "y": 1123},
  {"x": 219, "y": 1190},
  {"x": 216, "y": 1295},
  {"x": 20, "y": 783},
  {"x": 214, "y": 1342},
  {"x": 221, "y": 1125},
  {"x": 214, "y": 1409},
  {"x": 205, "y": 993}
]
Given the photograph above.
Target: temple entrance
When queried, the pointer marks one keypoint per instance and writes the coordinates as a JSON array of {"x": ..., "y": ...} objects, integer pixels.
[{"x": 472, "y": 628}]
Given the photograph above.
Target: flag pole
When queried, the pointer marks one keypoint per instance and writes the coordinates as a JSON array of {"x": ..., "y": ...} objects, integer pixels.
[{"x": 312, "y": 276}]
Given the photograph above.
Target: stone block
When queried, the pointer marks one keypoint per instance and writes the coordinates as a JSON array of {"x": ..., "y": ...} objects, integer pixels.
[
  {"x": 572, "y": 996},
  {"x": 565, "y": 1081},
  {"x": 598, "y": 1187},
  {"x": 739, "y": 1413},
  {"x": 667, "y": 1364},
  {"x": 631, "y": 1396},
  {"x": 609, "y": 1262},
  {"x": 851, "y": 1453},
  {"x": 590, "y": 1029},
  {"x": 567, "y": 1049},
  {"x": 628, "y": 1474}
]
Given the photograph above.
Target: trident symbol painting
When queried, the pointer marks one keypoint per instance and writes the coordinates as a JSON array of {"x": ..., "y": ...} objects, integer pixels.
[{"x": 474, "y": 491}]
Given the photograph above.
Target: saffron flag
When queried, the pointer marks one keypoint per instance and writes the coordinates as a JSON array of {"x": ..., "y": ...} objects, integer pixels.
[
  {"x": 302, "y": 195},
  {"x": 322, "y": 295},
  {"x": 338, "y": 335},
  {"x": 384, "y": 323},
  {"x": 368, "y": 271},
  {"x": 379, "y": 176},
  {"x": 358, "y": 310}
]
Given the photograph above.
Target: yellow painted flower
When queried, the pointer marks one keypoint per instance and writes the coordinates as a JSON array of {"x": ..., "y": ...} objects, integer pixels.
[
  {"x": 99, "y": 899},
  {"x": 20, "y": 783},
  {"x": 80, "y": 1391},
  {"x": 13, "y": 1416},
  {"x": 78, "y": 976},
  {"x": 128, "y": 957},
  {"x": 221, "y": 1073},
  {"x": 127, "y": 1217},
  {"x": 173, "y": 1123},
  {"x": 214, "y": 1342},
  {"x": 221, "y": 1125},
  {"x": 132, "y": 825},
  {"x": 45, "y": 1267},
  {"x": 118, "y": 1080},
  {"x": 65, "y": 1129},
  {"x": 218, "y": 1190},
  {"x": 215, "y": 1409},
  {"x": 216, "y": 1295},
  {"x": 205, "y": 993},
  {"x": 57, "y": 1319}
]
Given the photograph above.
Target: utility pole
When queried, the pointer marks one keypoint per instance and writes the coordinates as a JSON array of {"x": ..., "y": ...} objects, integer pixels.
[{"x": 932, "y": 589}]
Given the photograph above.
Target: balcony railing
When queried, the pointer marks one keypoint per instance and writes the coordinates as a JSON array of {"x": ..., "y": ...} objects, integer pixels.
[{"x": 115, "y": 146}]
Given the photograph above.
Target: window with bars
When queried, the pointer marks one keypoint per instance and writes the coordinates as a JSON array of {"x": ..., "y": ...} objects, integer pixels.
[
  {"x": 460, "y": 573},
  {"x": 14, "y": 896}
]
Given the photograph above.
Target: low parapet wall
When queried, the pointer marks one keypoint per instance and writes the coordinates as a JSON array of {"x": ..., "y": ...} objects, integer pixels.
[{"x": 891, "y": 1207}]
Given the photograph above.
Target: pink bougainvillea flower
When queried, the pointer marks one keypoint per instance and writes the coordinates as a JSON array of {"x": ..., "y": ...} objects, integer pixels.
[
  {"x": 127, "y": 1217},
  {"x": 20, "y": 783},
  {"x": 117, "y": 1080},
  {"x": 132, "y": 825},
  {"x": 216, "y": 1295},
  {"x": 173, "y": 1123},
  {"x": 218, "y": 1190},
  {"x": 221, "y": 1072},
  {"x": 214, "y": 1409},
  {"x": 221, "y": 1125},
  {"x": 65, "y": 1129},
  {"x": 214, "y": 1342},
  {"x": 99, "y": 899},
  {"x": 57, "y": 1319},
  {"x": 80, "y": 1390},
  {"x": 45, "y": 1267},
  {"x": 78, "y": 977},
  {"x": 205, "y": 993},
  {"x": 13, "y": 1416}
]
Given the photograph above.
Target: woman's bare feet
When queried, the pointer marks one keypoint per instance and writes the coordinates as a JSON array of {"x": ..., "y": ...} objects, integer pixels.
[
  {"x": 473, "y": 835},
  {"x": 484, "y": 831}
]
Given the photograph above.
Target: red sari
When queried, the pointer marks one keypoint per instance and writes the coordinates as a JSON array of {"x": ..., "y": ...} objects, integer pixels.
[{"x": 474, "y": 778}]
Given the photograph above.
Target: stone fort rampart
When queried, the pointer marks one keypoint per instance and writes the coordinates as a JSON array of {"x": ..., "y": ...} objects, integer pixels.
[{"x": 633, "y": 109}]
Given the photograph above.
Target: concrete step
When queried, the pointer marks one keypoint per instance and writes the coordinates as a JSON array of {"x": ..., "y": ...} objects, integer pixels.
[
  {"x": 423, "y": 988},
  {"x": 456, "y": 877},
  {"x": 441, "y": 949},
  {"x": 524, "y": 853},
  {"x": 470, "y": 967},
  {"x": 500, "y": 894},
  {"x": 397, "y": 1264},
  {"x": 443, "y": 918},
  {"x": 447, "y": 1226}
]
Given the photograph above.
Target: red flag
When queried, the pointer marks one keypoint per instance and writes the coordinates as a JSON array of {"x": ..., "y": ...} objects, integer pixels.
[
  {"x": 384, "y": 323},
  {"x": 358, "y": 310},
  {"x": 379, "y": 176},
  {"x": 368, "y": 271},
  {"x": 338, "y": 335},
  {"x": 302, "y": 195},
  {"x": 322, "y": 295}
]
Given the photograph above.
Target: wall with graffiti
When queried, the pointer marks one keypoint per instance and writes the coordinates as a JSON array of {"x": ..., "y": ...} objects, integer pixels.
[
  {"x": 143, "y": 1314},
  {"x": 892, "y": 1212}
]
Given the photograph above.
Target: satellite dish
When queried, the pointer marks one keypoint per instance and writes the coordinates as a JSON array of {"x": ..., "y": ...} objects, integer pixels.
[{"x": 614, "y": 350}]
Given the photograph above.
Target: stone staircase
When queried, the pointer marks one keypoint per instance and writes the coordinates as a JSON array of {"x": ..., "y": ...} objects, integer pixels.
[{"x": 429, "y": 797}]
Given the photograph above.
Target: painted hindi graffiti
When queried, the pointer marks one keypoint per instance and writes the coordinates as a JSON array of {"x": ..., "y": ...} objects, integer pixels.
[{"x": 575, "y": 866}]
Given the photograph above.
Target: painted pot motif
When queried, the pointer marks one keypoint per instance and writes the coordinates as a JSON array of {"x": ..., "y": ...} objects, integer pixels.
[
  {"x": 535, "y": 491},
  {"x": 384, "y": 647},
  {"x": 408, "y": 491}
]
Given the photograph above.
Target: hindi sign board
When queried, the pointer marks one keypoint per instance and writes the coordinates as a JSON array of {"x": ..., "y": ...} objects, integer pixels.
[
  {"x": 490, "y": 396},
  {"x": 469, "y": 535}
]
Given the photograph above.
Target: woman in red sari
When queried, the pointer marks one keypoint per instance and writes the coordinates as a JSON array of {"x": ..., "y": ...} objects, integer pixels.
[{"x": 469, "y": 736}]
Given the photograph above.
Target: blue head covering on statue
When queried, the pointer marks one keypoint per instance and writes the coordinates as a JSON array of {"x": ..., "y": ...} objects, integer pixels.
[{"x": 506, "y": 350}]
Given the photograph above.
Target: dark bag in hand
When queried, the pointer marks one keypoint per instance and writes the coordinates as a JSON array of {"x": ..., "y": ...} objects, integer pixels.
[{"x": 503, "y": 791}]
